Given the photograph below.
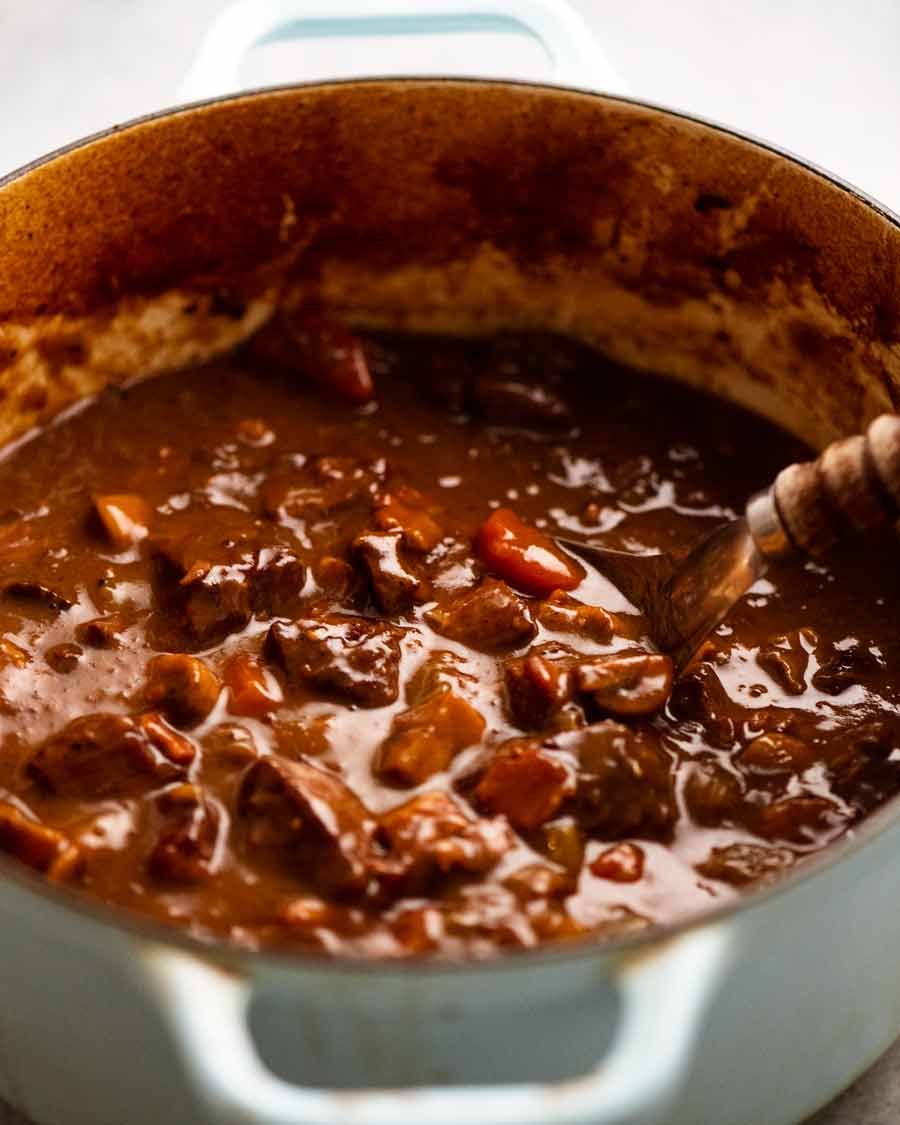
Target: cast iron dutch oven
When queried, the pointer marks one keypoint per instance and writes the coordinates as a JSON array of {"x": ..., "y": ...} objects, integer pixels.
[{"x": 463, "y": 206}]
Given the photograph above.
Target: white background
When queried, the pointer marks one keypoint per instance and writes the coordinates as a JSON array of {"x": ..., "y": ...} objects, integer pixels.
[{"x": 819, "y": 77}]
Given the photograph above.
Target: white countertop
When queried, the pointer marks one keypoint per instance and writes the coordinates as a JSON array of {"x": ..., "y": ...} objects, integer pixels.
[{"x": 818, "y": 77}]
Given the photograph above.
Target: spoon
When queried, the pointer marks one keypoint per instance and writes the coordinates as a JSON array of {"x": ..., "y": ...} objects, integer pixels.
[{"x": 852, "y": 487}]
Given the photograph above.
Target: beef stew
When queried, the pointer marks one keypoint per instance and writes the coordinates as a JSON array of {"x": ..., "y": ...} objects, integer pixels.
[{"x": 289, "y": 656}]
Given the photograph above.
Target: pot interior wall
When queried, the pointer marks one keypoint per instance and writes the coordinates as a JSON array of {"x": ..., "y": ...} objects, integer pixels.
[{"x": 450, "y": 206}]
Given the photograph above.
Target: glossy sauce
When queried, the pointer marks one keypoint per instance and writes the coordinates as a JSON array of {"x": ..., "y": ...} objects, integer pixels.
[{"x": 775, "y": 743}]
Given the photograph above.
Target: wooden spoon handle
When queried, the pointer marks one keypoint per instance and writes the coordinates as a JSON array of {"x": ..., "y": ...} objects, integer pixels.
[{"x": 853, "y": 486}]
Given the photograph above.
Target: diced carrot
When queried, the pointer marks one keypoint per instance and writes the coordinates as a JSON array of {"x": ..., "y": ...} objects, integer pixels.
[
  {"x": 252, "y": 690},
  {"x": 525, "y": 785},
  {"x": 524, "y": 557},
  {"x": 125, "y": 517},
  {"x": 167, "y": 741},
  {"x": 405, "y": 510}
]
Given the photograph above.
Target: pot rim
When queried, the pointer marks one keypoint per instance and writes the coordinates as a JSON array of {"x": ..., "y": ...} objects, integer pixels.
[{"x": 590, "y": 946}]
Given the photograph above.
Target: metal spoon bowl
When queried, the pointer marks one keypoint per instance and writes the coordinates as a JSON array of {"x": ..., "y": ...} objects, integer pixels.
[{"x": 852, "y": 487}]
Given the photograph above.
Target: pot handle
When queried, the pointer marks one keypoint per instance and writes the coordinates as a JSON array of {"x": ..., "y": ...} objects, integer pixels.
[
  {"x": 561, "y": 31},
  {"x": 664, "y": 992}
]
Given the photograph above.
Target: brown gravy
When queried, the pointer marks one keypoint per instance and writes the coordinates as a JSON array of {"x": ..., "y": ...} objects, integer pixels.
[{"x": 369, "y": 731}]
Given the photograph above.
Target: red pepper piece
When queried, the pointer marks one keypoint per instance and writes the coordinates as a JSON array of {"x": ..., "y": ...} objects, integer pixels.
[
  {"x": 524, "y": 557},
  {"x": 331, "y": 355}
]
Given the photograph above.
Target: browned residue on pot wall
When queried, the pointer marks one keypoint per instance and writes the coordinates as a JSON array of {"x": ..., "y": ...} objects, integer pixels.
[{"x": 466, "y": 207}]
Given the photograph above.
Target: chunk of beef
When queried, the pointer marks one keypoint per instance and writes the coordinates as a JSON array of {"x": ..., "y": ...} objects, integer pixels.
[
  {"x": 101, "y": 755},
  {"x": 228, "y": 568},
  {"x": 537, "y": 686},
  {"x": 351, "y": 656},
  {"x": 182, "y": 686},
  {"x": 542, "y": 893},
  {"x": 713, "y": 795},
  {"x": 490, "y": 617},
  {"x": 699, "y": 697},
  {"x": 397, "y": 588},
  {"x": 432, "y": 835},
  {"x": 525, "y": 783},
  {"x": 510, "y": 401},
  {"x": 624, "y": 779},
  {"x": 741, "y": 864},
  {"x": 786, "y": 658},
  {"x": 186, "y": 845},
  {"x": 626, "y": 683},
  {"x": 310, "y": 817},
  {"x": 565, "y": 614},
  {"x": 34, "y": 844},
  {"x": 844, "y": 664},
  {"x": 424, "y": 740}
]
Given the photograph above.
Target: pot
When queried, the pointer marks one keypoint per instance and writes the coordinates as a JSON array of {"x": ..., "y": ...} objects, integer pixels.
[{"x": 467, "y": 206}]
